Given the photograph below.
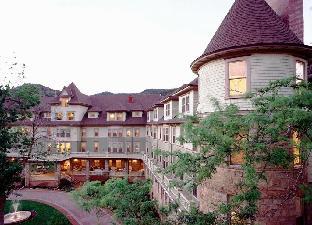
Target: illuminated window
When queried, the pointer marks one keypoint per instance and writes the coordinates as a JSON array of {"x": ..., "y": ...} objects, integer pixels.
[
  {"x": 64, "y": 147},
  {"x": 70, "y": 115},
  {"x": 300, "y": 67},
  {"x": 128, "y": 133},
  {"x": 64, "y": 102},
  {"x": 237, "y": 78},
  {"x": 59, "y": 116},
  {"x": 296, "y": 150},
  {"x": 83, "y": 146},
  {"x": 96, "y": 132},
  {"x": 185, "y": 103},
  {"x": 113, "y": 116},
  {"x": 96, "y": 146},
  {"x": 167, "y": 109}
]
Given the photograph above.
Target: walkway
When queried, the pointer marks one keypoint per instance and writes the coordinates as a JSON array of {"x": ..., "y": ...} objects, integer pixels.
[{"x": 63, "y": 202}]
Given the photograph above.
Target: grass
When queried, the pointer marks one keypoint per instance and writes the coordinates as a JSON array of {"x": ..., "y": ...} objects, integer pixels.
[{"x": 46, "y": 215}]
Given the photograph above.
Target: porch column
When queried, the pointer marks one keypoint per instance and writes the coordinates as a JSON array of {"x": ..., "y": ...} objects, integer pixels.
[
  {"x": 127, "y": 167},
  {"x": 58, "y": 171},
  {"x": 87, "y": 169},
  {"x": 27, "y": 174},
  {"x": 106, "y": 165}
]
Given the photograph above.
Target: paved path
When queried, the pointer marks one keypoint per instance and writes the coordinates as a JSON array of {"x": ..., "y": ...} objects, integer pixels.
[{"x": 63, "y": 202}]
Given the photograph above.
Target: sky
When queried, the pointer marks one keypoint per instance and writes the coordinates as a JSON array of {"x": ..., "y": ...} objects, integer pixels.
[{"x": 112, "y": 45}]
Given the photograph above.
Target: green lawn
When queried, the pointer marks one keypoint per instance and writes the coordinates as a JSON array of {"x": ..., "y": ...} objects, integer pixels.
[{"x": 46, "y": 215}]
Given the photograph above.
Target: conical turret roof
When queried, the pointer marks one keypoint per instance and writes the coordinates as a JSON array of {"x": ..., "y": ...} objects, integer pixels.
[{"x": 249, "y": 23}]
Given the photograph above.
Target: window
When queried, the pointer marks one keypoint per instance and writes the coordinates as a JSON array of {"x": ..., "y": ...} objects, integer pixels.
[
  {"x": 137, "y": 133},
  {"x": 296, "y": 149},
  {"x": 119, "y": 116},
  {"x": 115, "y": 133},
  {"x": 155, "y": 133},
  {"x": 136, "y": 147},
  {"x": 115, "y": 116},
  {"x": 185, "y": 103},
  {"x": 96, "y": 146},
  {"x": 63, "y": 147},
  {"x": 83, "y": 146},
  {"x": 128, "y": 133},
  {"x": 63, "y": 133},
  {"x": 96, "y": 132},
  {"x": 93, "y": 115},
  {"x": 49, "y": 131},
  {"x": 47, "y": 115},
  {"x": 155, "y": 114},
  {"x": 137, "y": 114},
  {"x": 237, "y": 75},
  {"x": 83, "y": 132},
  {"x": 70, "y": 115},
  {"x": 58, "y": 115},
  {"x": 173, "y": 135},
  {"x": 166, "y": 134},
  {"x": 160, "y": 136},
  {"x": 148, "y": 116},
  {"x": 129, "y": 147},
  {"x": 167, "y": 109},
  {"x": 115, "y": 147},
  {"x": 64, "y": 102},
  {"x": 299, "y": 71}
]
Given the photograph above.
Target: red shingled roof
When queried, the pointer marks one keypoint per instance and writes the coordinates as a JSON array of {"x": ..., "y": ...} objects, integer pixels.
[{"x": 249, "y": 23}]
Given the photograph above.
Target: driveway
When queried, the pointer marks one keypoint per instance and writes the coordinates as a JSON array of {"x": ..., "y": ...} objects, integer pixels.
[{"x": 64, "y": 203}]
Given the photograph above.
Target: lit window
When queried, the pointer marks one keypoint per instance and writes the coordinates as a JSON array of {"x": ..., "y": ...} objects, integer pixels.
[
  {"x": 96, "y": 146},
  {"x": 119, "y": 116},
  {"x": 116, "y": 116},
  {"x": 83, "y": 146},
  {"x": 299, "y": 71},
  {"x": 63, "y": 147},
  {"x": 70, "y": 115},
  {"x": 296, "y": 150},
  {"x": 112, "y": 116},
  {"x": 128, "y": 133},
  {"x": 64, "y": 102},
  {"x": 96, "y": 132},
  {"x": 59, "y": 116},
  {"x": 167, "y": 109},
  {"x": 237, "y": 78}
]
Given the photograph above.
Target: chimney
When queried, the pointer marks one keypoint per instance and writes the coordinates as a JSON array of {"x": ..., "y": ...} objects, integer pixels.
[
  {"x": 291, "y": 12},
  {"x": 130, "y": 99}
]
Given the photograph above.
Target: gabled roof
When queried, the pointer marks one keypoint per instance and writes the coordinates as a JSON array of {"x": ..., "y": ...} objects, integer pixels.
[{"x": 249, "y": 23}]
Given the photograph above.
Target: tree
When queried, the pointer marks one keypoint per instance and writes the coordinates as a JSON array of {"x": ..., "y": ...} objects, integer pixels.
[
  {"x": 14, "y": 107},
  {"x": 272, "y": 135},
  {"x": 130, "y": 203}
]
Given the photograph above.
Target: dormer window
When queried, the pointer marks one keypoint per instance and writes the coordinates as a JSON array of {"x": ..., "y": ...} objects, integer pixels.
[
  {"x": 59, "y": 116},
  {"x": 115, "y": 116},
  {"x": 237, "y": 78},
  {"x": 70, "y": 115},
  {"x": 300, "y": 67},
  {"x": 137, "y": 114},
  {"x": 64, "y": 102},
  {"x": 93, "y": 115}
]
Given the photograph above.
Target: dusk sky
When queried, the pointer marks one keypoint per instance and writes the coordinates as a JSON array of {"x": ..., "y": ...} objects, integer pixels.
[{"x": 112, "y": 45}]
